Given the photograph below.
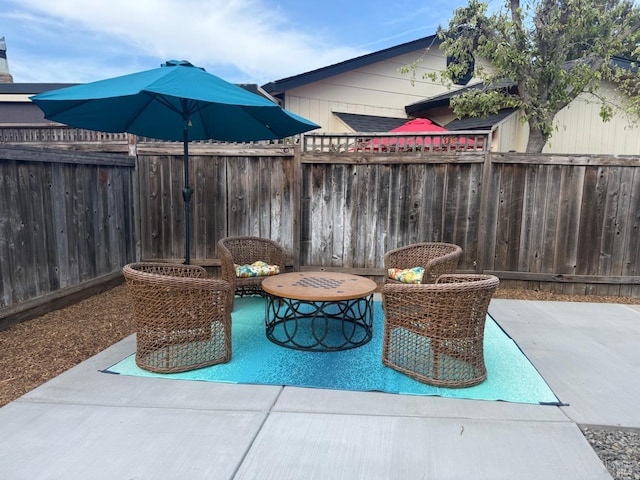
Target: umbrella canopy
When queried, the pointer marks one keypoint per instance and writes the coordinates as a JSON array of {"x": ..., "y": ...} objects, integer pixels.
[
  {"x": 177, "y": 101},
  {"x": 158, "y": 103},
  {"x": 419, "y": 125}
]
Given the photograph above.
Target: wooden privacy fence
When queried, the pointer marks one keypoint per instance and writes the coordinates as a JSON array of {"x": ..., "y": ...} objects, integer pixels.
[
  {"x": 65, "y": 219},
  {"x": 236, "y": 191},
  {"x": 572, "y": 220},
  {"x": 564, "y": 223}
]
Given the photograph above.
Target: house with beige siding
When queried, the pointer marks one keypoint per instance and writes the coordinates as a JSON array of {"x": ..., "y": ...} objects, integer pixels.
[{"x": 373, "y": 92}]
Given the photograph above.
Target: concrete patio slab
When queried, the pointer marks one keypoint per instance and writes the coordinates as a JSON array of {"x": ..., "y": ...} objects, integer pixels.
[
  {"x": 588, "y": 354},
  {"x": 85, "y": 384},
  {"x": 55, "y": 441},
  {"x": 320, "y": 446},
  {"x": 88, "y": 424}
]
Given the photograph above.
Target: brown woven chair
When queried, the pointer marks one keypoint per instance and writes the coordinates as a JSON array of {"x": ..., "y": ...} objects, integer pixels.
[
  {"x": 183, "y": 319},
  {"x": 245, "y": 251},
  {"x": 434, "y": 333},
  {"x": 437, "y": 258}
]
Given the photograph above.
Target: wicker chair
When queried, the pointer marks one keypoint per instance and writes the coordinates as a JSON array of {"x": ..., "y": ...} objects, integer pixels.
[
  {"x": 245, "y": 251},
  {"x": 437, "y": 258},
  {"x": 183, "y": 319},
  {"x": 434, "y": 333}
]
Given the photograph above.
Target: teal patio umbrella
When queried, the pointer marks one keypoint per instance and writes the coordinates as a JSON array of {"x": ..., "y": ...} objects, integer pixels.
[{"x": 177, "y": 102}]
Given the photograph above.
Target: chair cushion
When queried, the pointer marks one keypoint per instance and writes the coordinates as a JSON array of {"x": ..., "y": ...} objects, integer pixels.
[
  {"x": 408, "y": 275},
  {"x": 257, "y": 269}
]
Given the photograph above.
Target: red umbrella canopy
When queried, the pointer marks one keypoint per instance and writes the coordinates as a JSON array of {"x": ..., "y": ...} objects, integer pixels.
[{"x": 419, "y": 125}]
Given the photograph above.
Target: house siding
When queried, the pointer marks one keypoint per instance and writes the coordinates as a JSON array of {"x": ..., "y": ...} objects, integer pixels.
[
  {"x": 376, "y": 89},
  {"x": 579, "y": 129},
  {"x": 512, "y": 135}
]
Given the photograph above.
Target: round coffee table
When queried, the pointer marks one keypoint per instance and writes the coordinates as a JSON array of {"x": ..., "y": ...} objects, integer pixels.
[{"x": 319, "y": 311}]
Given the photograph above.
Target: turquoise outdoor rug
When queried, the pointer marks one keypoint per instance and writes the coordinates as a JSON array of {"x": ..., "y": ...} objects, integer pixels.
[{"x": 256, "y": 360}]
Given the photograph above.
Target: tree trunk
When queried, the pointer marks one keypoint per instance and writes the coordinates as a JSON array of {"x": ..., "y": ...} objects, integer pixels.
[{"x": 536, "y": 141}]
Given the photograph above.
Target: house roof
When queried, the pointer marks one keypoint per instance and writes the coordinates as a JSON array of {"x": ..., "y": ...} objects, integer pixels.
[
  {"x": 468, "y": 123},
  {"x": 30, "y": 88},
  {"x": 369, "y": 123},
  {"x": 619, "y": 62},
  {"x": 34, "y": 88},
  {"x": 255, "y": 88},
  {"x": 625, "y": 63},
  {"x": 278, "y": 87},
  {"x": 479, "y": 123},
  {"x": 476, "y": 123},
  {"x": 372, "y": 123},
  {"x": 443, "y": 99}
]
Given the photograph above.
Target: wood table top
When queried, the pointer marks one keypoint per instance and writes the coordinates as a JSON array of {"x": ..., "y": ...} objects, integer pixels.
[{"x": 318, "y": 286}]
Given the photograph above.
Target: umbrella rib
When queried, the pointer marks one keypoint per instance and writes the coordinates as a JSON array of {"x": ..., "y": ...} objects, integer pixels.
[
  {"x": 163, "y": 101},
  {"x": 208, "y": 131},
  {"x": 188, "y": 104},
  {"x": 138, "y": 113},
  {"x": 264, "y": 124},
  {"x": 190, "y": 107}
]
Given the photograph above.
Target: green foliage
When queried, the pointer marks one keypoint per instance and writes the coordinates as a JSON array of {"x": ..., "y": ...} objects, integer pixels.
[{"x": 552, "y": 49}]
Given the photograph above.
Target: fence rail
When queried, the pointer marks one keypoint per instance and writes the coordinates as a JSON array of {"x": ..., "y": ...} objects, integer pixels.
[
  {"x": 55, "y": 133},
  {"x": 60, "y": 134},
  {"x": 397, "y": 143}
]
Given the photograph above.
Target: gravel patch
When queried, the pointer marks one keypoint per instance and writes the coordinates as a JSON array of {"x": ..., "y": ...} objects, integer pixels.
[
  {"x": 619, "y": 451},
  {"x": 35, "y": 351}
]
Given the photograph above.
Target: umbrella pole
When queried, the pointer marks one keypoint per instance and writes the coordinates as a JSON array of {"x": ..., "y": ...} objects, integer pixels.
[{"x": 187, "y": 192}]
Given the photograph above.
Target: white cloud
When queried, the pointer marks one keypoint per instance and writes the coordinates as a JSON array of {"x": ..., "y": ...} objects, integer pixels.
[{"x": 258, "y": 42}]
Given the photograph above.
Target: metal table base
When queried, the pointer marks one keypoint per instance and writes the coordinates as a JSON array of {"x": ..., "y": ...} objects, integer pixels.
[{"x": 325, "y": 326}]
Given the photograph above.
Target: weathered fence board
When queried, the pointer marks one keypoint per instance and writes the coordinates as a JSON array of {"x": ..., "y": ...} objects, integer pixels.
[
  {"x": 631, "y": 258},
  {"x": 355, "y": 213},
  {"x": 62, "y": 223},
  {"x": 232, "y": 195},
  {"x": 577, "y": 221}
]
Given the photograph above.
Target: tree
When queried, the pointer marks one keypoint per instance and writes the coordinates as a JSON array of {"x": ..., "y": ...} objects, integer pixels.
[{"x": 553, "y": 50}]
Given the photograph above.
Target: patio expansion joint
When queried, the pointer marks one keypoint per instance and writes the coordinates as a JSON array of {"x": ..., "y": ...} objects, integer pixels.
[
  {"x": 257, "y": 433},
  {"x": 28, "y": 401},
  {"x": 565, "y": 420}
]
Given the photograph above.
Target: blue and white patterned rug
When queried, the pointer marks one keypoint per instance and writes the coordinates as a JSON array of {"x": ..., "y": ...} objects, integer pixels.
[{"x": 256, "y": 360}]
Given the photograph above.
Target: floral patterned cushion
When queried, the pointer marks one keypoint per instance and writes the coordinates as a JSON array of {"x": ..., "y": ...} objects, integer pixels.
[
  {"x": 256, "y": 269},
  {"x": 408, "y": 275}
]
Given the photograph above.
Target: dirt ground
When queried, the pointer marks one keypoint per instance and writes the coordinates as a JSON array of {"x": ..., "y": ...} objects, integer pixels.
[{"x": 35, "y": 351}]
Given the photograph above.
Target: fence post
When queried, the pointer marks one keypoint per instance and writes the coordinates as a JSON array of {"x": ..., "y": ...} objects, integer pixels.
[
  {"x": 133, "y": 145},
  {"x": 296, "y": 203},
  {"x": 483, "y": 213}
]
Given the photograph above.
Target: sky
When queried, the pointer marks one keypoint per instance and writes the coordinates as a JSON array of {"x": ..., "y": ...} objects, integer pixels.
[{"x": 242, "y": 41}]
